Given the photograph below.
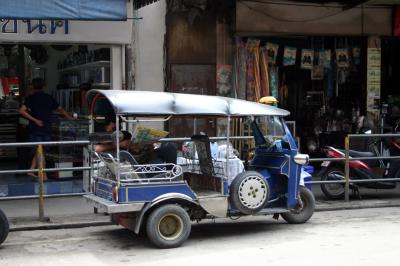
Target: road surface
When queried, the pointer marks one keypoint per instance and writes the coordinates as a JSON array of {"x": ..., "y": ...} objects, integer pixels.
[{"x": 349, "y": 237}]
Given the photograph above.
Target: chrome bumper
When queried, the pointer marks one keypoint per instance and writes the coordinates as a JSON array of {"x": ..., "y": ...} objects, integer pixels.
[{"x": 107, "y": 206}]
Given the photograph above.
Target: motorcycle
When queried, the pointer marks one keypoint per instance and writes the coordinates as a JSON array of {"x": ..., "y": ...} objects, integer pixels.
[{"x": 368, "y": 169}]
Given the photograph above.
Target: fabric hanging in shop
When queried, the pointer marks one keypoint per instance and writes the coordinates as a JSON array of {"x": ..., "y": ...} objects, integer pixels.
[
  {"x": 265, "y": 91},
  {"x": 396, "y": 28},
  {"x": 289, "y": 56},
  {"x": 273, "y": 77},
  {"x": 64, "y": 9},
  {"x": 257, "y": 77},
  {"x": 250, "y": 79},
  {"x": 307, "y": 58},
  {"x": 240, "y": 70},
  {"x": 272, "y": 52}
]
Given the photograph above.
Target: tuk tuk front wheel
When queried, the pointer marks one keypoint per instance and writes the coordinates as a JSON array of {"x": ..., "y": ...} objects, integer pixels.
[
  {"x": 305, "y": 209},
  {"x": 168, "y": 226},
  {"x": 4, "y": 227}
]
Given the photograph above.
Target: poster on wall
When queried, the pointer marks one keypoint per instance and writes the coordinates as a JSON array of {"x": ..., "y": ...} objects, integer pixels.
[
  {"x": 325, "y": 57},
  {"x": 307, "y": 58},
  {"x": 317, "y": 72},
  {"x": 272, "y": 51},
  {"x": 342, "y": 57},
  {"x": 289, "y": 56},
  {"x": 224, "y": 76},
  {"x": 373, "y": 77}
]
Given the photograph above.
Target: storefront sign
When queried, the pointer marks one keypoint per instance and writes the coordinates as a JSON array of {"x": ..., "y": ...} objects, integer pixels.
[
  {"x": 65, "y": 31},
  {"x": 31, "y": 26},
  {"x": 373, "y": 77}
]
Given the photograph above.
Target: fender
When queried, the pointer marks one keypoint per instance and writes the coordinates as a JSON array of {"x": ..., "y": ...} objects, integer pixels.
[{"x": 168, "y": 197}]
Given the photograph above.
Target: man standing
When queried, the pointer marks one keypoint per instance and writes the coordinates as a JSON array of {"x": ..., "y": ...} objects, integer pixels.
[{"x": 38, "y": 109}]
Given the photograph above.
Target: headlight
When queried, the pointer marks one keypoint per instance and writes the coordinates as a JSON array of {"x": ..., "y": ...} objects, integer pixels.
[{"x": 301, "y": 158}]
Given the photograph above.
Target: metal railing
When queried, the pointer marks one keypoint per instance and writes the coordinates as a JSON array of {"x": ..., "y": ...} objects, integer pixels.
[
  {"x": 347, "y": 179},
  {"x": 41, "y": 169}
]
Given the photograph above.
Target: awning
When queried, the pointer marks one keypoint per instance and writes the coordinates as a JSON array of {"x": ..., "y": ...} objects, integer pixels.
[{"x": 64, "y": 9}]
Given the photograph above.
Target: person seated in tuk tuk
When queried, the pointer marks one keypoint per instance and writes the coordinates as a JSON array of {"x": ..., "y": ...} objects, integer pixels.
[{"x": 144, "y": 153}]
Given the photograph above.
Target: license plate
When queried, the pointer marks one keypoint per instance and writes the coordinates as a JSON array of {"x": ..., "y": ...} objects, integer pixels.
[{"x": 325, "y": 163}]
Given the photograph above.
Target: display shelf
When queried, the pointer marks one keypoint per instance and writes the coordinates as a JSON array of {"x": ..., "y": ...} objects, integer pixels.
[{"x": 85, "y": 66}]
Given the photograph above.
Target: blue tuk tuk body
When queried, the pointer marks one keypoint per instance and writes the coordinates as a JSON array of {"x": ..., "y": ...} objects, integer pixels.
[{"x": 174, "y": 195}]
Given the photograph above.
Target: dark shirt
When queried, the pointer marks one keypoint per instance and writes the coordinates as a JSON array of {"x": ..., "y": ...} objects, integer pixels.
[{"x": 41, "y": 107}]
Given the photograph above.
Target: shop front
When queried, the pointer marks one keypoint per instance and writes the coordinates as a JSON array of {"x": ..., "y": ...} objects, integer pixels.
[
  {"x": 71, "y": 57},
  {"x": 321, "y": 62}
]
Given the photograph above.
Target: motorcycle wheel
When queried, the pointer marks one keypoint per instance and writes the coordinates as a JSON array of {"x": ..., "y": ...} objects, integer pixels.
[
  {"x": 4, "y": 227},
  {"x": 332, "y": 191}
]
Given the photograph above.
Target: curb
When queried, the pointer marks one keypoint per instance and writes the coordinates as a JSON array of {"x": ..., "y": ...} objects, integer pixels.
[
  {"x": 58, "y": 226},
  {"x": 71, "y": 225},
  {"x": 353, "y": 207}
]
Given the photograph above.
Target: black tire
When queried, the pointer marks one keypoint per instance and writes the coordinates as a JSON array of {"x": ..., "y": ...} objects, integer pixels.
[
  {"x": 4, "y": 227},
  {"x": 333, "y": 191},
  {"x": 249, "y": 192},
  {"x": 168, "y": 226},
  {"x": 302, "y": 213}
]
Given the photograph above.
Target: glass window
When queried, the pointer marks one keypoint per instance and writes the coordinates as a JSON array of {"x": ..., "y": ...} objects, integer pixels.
[{"x": 270, "y": 126}]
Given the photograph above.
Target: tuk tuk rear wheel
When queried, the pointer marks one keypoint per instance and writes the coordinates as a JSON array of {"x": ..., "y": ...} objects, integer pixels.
[
  {"x": 168, "y": 226},
  {"x": 305, "y": 209},
  {"x": 4, "y": 227}
]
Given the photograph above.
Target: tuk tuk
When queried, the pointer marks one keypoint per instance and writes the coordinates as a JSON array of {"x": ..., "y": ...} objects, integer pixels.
[{"x": 163, "y": 197}]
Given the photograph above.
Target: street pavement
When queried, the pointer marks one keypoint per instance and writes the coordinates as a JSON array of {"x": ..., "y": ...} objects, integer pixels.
[
  {"x": 366, "y": 237},
  {"x": 73, "y": 212}
]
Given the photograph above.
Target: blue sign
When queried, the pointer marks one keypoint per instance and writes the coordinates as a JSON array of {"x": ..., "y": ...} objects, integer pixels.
[{"x": 64, "y": 9}]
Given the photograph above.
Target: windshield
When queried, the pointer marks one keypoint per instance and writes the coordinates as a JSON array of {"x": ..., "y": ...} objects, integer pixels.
[{"x": 270, "y": 126}]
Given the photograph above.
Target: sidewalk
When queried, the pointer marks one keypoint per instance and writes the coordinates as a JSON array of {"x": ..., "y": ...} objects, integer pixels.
[{"x": 73, "y": 212}]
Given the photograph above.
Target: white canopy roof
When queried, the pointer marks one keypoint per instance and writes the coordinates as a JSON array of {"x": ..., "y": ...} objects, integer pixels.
[{"x": 164, "y": 103}]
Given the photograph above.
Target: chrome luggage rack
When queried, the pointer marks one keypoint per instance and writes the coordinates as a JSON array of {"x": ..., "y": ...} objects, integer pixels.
[
  {"x": 193, "y": 166},
  {"x": 132, "y": 172}
]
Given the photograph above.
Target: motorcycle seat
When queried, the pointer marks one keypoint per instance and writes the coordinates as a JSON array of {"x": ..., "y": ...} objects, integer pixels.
[
  {"x": 353, "y": 153},
  {"x": 361, "y": 153}
]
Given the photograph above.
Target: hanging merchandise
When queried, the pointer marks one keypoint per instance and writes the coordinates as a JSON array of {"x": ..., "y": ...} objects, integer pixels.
[
  {"x": 283, "y": 91},
  {"x": 289, "y": 56},
  {"x": 240, "y": 70},
  {"x": 307, "y": 58},
  {"x": 250, "y": 81},
  {"x": 265, "y": 91},
  {"x": 273, "y": 77},
  {"x": 396, "y": 27},
  {"x": 272, "y": 52},
  {"x": 356, "y": 55},
  {"x": 257, "y": 77},
  {"x": 324, "y": 58},
  {"x": 342, "y": 57}
]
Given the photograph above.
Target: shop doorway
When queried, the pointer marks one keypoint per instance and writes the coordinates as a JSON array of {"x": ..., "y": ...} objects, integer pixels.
[{"x": 68, "y": 71}]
